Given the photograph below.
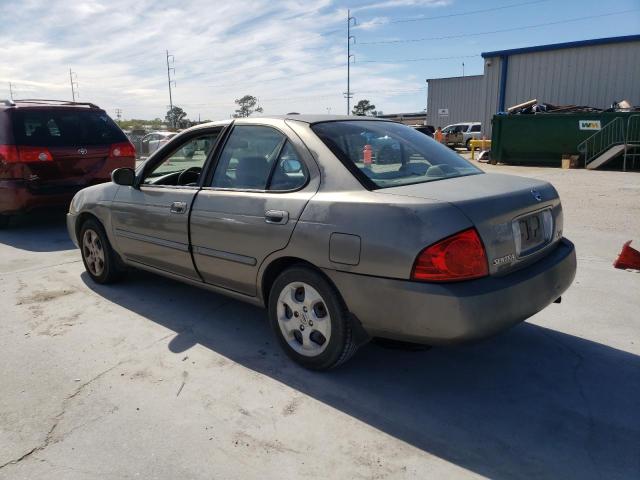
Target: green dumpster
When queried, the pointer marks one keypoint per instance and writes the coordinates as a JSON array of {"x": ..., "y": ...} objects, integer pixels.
[{"x": 542, "y": 139}]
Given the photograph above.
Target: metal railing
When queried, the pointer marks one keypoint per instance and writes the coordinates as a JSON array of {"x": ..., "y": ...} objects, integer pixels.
[
  {"x": 610, "y": 135},
  {"x": 632, "y": 141}
]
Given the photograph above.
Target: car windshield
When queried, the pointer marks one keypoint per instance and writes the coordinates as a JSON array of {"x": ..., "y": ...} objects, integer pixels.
[
  {"x": 65, "y": 127},
  {"x": 388, "y": 154}
]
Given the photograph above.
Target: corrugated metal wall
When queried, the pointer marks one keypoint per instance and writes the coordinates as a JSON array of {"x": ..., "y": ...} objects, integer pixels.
[
  {"x": 460, "y": 95},
  {"x": 490, "y": 89},
  {"x": 594, "y": 75}
]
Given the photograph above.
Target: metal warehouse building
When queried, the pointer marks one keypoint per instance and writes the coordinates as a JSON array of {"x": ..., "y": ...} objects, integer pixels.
[{"x": 590, "y": 72}]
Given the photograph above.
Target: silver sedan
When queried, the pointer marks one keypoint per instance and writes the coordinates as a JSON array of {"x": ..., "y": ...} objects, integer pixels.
[{"x": 344, "y": 228}]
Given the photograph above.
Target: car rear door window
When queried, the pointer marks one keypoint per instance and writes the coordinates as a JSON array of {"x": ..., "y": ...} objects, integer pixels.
[
  {"x": 248, "y": 157},
  {"x": 65, "y": 128},
  {"x": 289, "y": 172}
]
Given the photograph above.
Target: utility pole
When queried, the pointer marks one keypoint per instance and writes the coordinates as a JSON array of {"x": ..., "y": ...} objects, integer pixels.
[
  {"x": 73, "y": 79},
  {"x": 348, "y": 94},
  {"x": 119, "y": 114},
  {"x": 169, "y": 69},
  {"x": 10, "y": 91},
  {"x": 463, "y": 69}
]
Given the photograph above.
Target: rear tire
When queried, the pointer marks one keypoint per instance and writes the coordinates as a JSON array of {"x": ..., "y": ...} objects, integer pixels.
[
  {"x": 99, "y": 258},
  {"x": 310, "y": 320}
]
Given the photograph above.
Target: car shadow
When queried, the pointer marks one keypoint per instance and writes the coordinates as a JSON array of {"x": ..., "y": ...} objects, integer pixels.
[
  {"x": 41, "y": 231},
  {"x": 532, "y": 402}
]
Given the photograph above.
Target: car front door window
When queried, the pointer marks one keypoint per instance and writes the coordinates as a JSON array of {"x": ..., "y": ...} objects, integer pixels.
[{"x": 184, "y": 165}]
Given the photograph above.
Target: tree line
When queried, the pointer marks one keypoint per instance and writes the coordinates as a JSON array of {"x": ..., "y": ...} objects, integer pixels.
[{"x": 176, "y": 117}]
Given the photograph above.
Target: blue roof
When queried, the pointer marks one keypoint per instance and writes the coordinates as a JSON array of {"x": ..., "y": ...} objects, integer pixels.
[{"x": 560, "y": 46}]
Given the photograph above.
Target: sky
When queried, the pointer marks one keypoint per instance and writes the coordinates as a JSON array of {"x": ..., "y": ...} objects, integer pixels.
[{"x": 290, "y": 54}]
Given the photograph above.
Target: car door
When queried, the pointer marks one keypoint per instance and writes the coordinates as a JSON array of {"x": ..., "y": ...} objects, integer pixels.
[
  {"x": 150, "y": 220},
  {"x": 263, "y": 179}
]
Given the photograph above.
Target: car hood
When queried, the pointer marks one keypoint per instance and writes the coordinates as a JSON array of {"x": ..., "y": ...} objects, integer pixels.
[{"x": 492, "y": 202}]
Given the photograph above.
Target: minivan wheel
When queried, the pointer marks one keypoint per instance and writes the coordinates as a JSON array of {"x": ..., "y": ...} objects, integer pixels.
[
  {"x": 99, "y": 258},
  {"x": 310, "y": 319}
]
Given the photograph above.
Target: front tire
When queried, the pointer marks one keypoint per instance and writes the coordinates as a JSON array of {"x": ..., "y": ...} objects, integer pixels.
[
  {"x": 100, "y": 260},
  {"x": 310, "y": 320}
]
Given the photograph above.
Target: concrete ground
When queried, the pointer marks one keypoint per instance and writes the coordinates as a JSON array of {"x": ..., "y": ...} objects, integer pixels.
[{"x": 157, "y": 380}]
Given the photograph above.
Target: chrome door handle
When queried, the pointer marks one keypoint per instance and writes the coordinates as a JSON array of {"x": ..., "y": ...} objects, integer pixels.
[
  {"x": 178, "y": 207},
  {"x": 276, "y": 216}
]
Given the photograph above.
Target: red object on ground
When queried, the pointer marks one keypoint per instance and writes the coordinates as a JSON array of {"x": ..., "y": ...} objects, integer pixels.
[
  {"x": 628, "y": 258},
  {"x": 366, "y": 154}
]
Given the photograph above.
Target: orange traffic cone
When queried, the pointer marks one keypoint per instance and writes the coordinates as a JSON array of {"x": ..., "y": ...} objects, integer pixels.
[{"x": 628, "y": 258}]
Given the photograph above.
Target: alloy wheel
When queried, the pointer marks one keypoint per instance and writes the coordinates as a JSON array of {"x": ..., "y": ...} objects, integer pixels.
[
  {"x": 93, "y": 252},
  {"x": 304, "y": 319}
]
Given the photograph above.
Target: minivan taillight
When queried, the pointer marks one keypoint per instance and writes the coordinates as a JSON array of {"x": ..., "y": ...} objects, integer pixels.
[
  {"x": 13, "y": 154},
  {"x": 8, "y": 154},
  {"x": 124, "y": 149},
  {"x": 458, "y": 257}
]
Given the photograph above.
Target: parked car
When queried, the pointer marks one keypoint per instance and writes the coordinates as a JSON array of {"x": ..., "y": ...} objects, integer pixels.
[
  {"x": 460, "y": 134},
  {"x": 154, "y": 140},
  {"x": 428, "y": 130},
  {"x": 51, "y": 149},
  {"x": 285, "y": 213}
]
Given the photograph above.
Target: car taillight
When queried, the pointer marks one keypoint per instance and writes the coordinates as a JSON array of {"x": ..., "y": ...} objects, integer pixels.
[
  {"x": 34, "y": 154},
  {"x": 8, "y": 154},
  {"x": 13, "y": 154},
  {"x": 458, "y": 257},
  {"x": 124, "y": 149}
]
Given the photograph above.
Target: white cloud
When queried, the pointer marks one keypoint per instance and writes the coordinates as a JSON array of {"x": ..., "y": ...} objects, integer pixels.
[
  {"x": 291, "y": 54},
  {"x": 403, "y": 3}
]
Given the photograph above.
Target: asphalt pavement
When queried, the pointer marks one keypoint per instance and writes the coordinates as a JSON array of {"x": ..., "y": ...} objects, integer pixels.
[{"x": 153, "y": 379}]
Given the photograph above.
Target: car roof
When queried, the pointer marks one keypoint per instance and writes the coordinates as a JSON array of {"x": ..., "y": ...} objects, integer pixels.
[
  {"x": 162, "y": 132},
  {"x": 45, "y": 103},
  {"x": 307, "y": 118}
]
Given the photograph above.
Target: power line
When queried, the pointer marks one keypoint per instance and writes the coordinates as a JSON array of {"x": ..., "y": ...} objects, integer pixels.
[
  {"x": 513, "y": 29},
  {"x": 423, "y": 59},
  {"x": 461, "y": 14},
  {"x": 281, "y": 77}
]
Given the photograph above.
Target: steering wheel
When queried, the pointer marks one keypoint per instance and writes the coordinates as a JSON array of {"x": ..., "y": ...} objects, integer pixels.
[{"x": 189, "y": 175}]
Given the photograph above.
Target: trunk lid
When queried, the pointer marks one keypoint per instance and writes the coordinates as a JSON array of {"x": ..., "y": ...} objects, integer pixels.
[
  {"x": 505, "y": 209},
  {"x": 70, "y": 164}
]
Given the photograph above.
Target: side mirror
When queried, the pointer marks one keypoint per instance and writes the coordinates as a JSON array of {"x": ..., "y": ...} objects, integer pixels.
[
  {"x": 291, "y": 166},
  {"x": 123, "y": 176}
]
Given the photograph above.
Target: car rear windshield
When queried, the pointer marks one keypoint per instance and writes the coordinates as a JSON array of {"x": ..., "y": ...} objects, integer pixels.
[
  {"x": 65, "y": 128},
  {"x": 387, "y": 154}
]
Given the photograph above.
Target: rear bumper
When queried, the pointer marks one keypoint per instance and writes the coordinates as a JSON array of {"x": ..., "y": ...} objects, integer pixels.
[
  {"x": 456, "y": 312},
  {"x": 17, "y": 197}
]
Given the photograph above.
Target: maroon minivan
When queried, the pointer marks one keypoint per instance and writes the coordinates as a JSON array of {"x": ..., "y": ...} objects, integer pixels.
[{"x": 50, "y": 149}]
